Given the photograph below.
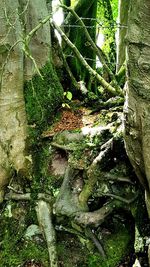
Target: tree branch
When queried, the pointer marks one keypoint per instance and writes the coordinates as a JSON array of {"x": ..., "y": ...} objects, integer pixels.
[
  {"x": 92, "y": 72},
  {"x": 97, "y": 49}
]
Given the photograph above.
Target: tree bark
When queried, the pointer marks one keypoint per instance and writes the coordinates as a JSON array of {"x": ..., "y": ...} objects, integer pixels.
[
  {"x": 25, "y": 48},
  {"x": 12, "y": 107},
  {"x": 40, "y": 42},
  {"x": 137, "y": 111}
]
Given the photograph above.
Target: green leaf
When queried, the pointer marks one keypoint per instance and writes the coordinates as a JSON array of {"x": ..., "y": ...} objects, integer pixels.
[{"x": 69, "y": 95}]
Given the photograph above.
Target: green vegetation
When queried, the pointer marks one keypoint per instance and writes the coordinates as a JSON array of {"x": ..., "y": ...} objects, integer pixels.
[
  {"x": 117, "y": 246},
  {"x": 14, "y": 249},
  {"x": 42, "y": 97}
]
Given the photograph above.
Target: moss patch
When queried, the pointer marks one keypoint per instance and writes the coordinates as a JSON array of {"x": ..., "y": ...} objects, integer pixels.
[
  {"x": 43, "y": 96},
  {"x": 14, "y": 249},
  {"x": 116, "y": 246}
]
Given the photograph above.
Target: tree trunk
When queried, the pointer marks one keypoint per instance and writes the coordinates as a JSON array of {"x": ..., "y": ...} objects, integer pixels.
[
  {"x": 12, "y": 107},
  {"x": 18, "y": 18},
  {"x": 137, "y": 111}
]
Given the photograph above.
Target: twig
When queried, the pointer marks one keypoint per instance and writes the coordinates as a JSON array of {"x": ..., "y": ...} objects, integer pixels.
[{"x": 74, "y": 82}]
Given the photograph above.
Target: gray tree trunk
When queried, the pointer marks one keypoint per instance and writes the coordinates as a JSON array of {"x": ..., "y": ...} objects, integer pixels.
[
  {"x": 137, "y": 105},
  {"x": 18, "y": 18},
  {"x": 12, "y": 107}
]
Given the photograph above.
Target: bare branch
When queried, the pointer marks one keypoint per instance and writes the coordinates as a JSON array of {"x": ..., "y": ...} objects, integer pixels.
[
  {"x": 92, "y": 72},
  {"x": 97, "y": 49}
]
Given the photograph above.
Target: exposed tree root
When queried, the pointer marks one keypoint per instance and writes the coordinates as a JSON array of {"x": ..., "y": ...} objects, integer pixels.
[
  {"x": 44, "y": 215},
  {"x": 95, "y": 218},
  {"x": 27, "y": 196},
  {"x": 97, "y": 243},
  {"x": 96, "y": 183},
  {"x": 92, "y": 171},
  {"x": 122, "y": 199},
  {"x": 67, "y": 202}
]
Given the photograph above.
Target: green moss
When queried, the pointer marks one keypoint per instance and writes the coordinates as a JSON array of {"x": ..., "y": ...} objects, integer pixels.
[
  {"x": 41, "y": 160},
  {"x": 14, "y": 250},
  {"x": 13, "y": 254},
  {"x": 42, "y": 96},
  {"x": 116, "y": 246}
]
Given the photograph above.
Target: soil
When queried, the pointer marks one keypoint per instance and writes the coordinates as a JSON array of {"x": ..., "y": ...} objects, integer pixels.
[{"x": 72, "y": 120}]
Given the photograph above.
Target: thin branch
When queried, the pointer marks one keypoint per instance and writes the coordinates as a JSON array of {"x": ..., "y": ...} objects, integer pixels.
[
  {"x": 97, "y": 49},
  {"x": 33, "y": 31},
  {"x": 92, "y": 72},
  {"x": 96, "y": 242},
  {"x": 74, "y": 82}
]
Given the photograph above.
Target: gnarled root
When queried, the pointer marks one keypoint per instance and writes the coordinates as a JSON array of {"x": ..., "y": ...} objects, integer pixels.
[{"x": 45, "y": 221}]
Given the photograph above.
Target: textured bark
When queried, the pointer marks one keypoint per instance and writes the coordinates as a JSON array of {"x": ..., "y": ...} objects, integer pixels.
[
  {"x": 137, "y": 109},
  {"x": 23, "y": 51},
  {"x": 122, "y": 31},
  {"x": 12, "y": 107},
  {"x": 39, "y": 45}
]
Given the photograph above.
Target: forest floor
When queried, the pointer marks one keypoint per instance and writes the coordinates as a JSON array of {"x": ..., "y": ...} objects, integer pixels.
[
  {"x": 83, "y": 118},
  {"x": 117, "y": 233}
]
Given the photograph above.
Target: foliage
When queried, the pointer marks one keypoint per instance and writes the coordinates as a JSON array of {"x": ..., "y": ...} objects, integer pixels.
[
  {"x": 107, "y": 14},
  {"x": 67, "y": 97},
  {"x": 114, "y": 4},
  {"x": 101, "y": 10}
]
